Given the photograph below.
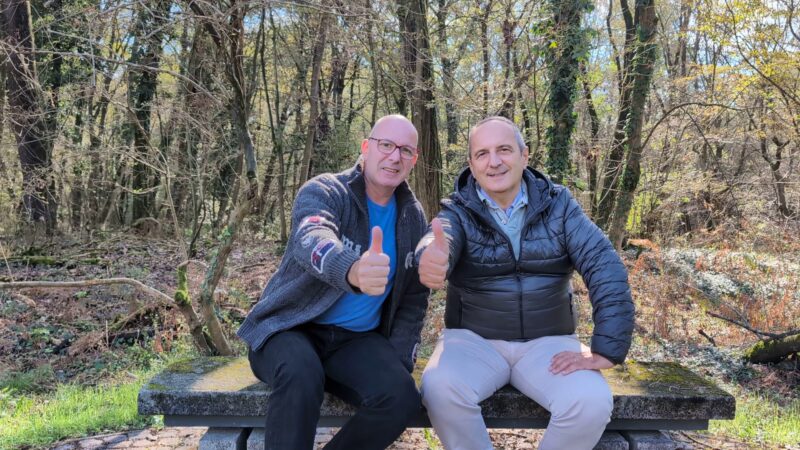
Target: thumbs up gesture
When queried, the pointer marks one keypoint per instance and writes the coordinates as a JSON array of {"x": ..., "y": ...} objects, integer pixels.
[
  {"x": 434, "y": 260},
  {"x": 371, "y": 272}
]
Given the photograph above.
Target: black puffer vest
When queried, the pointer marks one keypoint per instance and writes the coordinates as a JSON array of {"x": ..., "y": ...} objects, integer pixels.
[{"x": 500, "y": 297}]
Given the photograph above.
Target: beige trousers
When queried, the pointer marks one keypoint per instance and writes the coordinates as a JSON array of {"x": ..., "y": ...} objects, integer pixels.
[{"x": 465, "y": 369}]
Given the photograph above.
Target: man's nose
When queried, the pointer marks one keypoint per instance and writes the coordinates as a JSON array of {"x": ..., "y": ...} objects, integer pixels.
[
  {"x": 494, "y": 159},
  {"x": 395, "y": 155}
]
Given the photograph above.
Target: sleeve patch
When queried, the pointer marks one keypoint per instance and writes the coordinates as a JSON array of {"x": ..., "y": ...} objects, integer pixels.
[
  {"x": 409, "y": 260},
  {"x": 313, "y": 220},
  {"x": 319, "y": 253}
]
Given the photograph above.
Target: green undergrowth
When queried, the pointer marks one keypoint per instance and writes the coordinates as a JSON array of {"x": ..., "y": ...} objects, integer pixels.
[
  {"x": 35, "y": 421},
  {"x": 761, "y": 419},
  {"x": 33, "y": 418}
]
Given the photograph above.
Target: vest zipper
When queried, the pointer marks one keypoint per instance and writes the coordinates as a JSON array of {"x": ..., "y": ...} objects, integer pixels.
[{"x": 519, "y": 300}]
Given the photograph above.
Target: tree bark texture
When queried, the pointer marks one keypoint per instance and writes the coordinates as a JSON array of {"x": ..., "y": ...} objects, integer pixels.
[
  {"x": 486, "y": 9},
  {"x": 184, "y": 303},
  {"x": 277, "y": 127},
  {"x": 148, "y": 32},
  {"x": 773, "y": 350},
  {"x": 614, "y": 160},
  {"x": 214, "y": 274},
  {"x": 31, "y": 115},
  {"x": 510, "y": 65},
  {"x": 313, "y": 119},
  {"x": 642, "y": 70},
  {"x": 778, "y": 178},
  {"x": 566, "y": 46},
  {"x": 426, "y": 179},
  {"x": 593, "y": 150},
  {"x": 4, "y": 174},
  {"x": 448, "y": 69},
  {"x": 229, "y": 40}
]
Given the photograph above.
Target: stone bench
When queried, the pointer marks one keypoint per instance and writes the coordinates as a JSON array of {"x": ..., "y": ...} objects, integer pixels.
[{"x": 223, "y": 394}]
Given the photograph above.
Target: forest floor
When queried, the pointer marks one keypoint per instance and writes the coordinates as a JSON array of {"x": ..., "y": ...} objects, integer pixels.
[{"x": 51, "y": 337}]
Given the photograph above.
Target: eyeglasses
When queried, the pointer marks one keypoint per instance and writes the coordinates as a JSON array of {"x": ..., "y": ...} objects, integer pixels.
[{"x": 388, "y": 147}]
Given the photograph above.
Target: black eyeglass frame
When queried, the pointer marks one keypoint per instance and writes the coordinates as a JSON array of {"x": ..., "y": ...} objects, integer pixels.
[{"x": 413, "y": 150}]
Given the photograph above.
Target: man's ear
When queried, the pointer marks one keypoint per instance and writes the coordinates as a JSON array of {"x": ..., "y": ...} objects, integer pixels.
[
  {"x": 364, "y": 146},
  {"x": 526, "y": 154}
]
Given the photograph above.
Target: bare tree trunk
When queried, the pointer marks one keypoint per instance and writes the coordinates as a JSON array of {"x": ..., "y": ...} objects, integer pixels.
[
  {"x": 112, "y": 207},
  {"x": 448, "y": 68},
  {"x": 214, "y": 274},
  {"x": 485, "y": 57},
  {"x": 426, "y": 180},
  {"x": 614, "y": 160},
  {"x": 593, "y": 149},
  {"x": 372, "y": 62},
  {"x": 77, "y": 187},
  {"x": 536, "y": 127},
  {"x": 149, "y": 31},
  {"x": 277, "y": 129},
  {"x": 779, "y": 179},
  {"x": 228, "y": 36},
  {"x": 99, "y": 98},
  {"x": 313, "y": 120},
  {"x": 509, "y": 64},
  {"x": 563, "y": 64},
  {"x": 340, "y": 59},
  {"x": 642, "y": 70},
  {"x": 4, "y": 174},
  {"x": 184, "y": 302},
  {"x": 32, "y": 116}
]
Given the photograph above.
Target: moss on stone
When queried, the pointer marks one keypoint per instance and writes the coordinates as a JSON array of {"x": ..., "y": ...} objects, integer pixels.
[
  {"x": 153, "y": 386},
  {"x": 199, "y": 365},
  {"x": 658, "y": 378},
  {"x": 773, "y": 350}
]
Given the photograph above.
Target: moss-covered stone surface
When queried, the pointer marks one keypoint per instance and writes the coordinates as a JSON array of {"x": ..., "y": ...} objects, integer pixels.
[{"x": 224, "y": 386}]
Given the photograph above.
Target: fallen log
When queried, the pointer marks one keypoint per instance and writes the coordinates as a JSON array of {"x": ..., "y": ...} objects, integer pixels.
[{"x": 773, "y": 350}]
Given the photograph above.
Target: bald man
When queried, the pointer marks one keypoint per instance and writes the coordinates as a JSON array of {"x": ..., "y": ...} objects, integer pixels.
[{"x": 344, "y": 310}]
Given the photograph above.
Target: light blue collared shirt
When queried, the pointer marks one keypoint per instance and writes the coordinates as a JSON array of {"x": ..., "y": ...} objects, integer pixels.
[{"x": 511, "y": 219}]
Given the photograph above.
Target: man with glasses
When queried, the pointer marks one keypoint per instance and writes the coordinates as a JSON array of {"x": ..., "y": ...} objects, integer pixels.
[
  {"x": 508, "y": 240},
  {"x": 344, "y": 310}
]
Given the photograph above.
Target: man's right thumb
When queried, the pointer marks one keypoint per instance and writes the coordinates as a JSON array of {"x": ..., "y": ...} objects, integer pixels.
[
  {"x": 377, "y": 240},
  {"x": 438, "y": 234}
]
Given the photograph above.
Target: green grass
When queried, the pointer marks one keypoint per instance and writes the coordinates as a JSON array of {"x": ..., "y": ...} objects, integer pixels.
[
  {"x": 34, "y": 381},
  {"x": 762, "y": 420},
  {"x": 71, "y": 411}
]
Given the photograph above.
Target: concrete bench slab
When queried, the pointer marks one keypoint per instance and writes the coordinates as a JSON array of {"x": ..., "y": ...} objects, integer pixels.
[{"x": 223, "y": 392}]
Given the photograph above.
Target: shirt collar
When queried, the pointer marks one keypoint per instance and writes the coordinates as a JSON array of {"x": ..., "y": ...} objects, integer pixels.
[{"x": 519, "y": 201}]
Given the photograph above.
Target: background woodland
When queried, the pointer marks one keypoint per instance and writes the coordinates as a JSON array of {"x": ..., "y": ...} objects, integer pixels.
[{"x": 150, "y": 153}]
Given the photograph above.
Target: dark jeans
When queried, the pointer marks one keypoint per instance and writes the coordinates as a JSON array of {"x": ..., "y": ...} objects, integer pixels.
[{"x": 361, "y": 368}]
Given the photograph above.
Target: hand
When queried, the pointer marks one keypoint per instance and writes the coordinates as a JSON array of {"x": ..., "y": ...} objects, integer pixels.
[
  {"x": 435, "y": 259},
  {"x": 565, "y": 363},
  {"x": 370, "y": 273}
]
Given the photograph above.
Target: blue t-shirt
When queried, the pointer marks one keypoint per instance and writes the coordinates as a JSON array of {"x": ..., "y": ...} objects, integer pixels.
[{"x": 362, "y": 312}]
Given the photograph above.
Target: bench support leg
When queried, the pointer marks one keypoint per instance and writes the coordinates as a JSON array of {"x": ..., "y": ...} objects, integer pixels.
[
  {"x": 649, "y": 440},
  {"x": 225, "y": 439},
  {"x": 612, "y": 440}
]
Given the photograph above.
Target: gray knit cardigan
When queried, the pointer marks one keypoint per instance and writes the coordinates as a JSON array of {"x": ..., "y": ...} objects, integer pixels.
[{"x": 330, "y": 230}]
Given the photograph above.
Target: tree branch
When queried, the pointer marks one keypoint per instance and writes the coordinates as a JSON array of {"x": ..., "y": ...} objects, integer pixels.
[
  {"x": 759, "y": 333},
  {"x": 165, "y": 299}
]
